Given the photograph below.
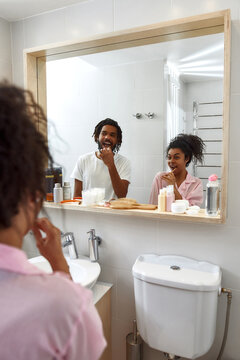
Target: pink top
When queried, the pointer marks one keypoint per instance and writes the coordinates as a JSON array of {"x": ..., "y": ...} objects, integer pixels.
[
  {"x": 45, "y": 316},
  {"x": 191, "y": 189}
]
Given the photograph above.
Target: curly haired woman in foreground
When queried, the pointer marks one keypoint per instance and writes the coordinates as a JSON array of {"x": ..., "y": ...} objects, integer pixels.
[{"x": 43, "y": 316}]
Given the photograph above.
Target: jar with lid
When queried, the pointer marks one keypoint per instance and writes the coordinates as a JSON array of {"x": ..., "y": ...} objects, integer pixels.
[
  {"x": 57, "y": 193},
  {"x": 66, "y": 190}
]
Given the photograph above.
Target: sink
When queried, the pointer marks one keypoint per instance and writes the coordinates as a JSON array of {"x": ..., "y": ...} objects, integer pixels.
[{"x": 82, "y": 270}]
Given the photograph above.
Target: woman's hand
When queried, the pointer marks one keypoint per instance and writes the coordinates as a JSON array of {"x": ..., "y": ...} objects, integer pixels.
[
  {"x": 169, "y": 178},
  {"x": 50, "y": 245}
]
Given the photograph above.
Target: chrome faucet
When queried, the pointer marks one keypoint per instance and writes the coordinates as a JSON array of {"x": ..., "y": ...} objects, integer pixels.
[
  {"x": 93, "y": 241},
  {"x": 70, "y": 243}
]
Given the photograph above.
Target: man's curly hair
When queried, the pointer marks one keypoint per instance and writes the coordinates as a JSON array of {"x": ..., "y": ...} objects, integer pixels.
[
  {"x": 111, "y": 122},
  {"x": 24, "y": 152}
]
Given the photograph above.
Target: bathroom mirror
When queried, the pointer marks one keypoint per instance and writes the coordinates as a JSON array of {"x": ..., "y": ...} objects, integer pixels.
[{"x": 143, "y": 62}]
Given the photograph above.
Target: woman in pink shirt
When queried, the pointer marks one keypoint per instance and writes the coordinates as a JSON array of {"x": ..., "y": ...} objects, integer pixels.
[
  {"x": 43, "y": 316},
  {"x": 180, "y": 152}
]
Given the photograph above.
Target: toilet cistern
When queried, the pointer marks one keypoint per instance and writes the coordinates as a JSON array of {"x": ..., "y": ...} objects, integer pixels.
[{"x": 176, "y": 303}]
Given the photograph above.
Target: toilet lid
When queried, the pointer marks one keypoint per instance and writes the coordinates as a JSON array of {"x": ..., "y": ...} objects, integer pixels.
[{"x": 177, "y": 271}]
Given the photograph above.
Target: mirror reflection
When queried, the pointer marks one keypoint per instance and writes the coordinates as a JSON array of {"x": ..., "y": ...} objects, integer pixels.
[{"x": 154, "y": 92}]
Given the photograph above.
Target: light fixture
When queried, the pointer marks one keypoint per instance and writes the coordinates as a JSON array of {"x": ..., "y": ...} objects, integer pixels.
[{"x": 202, "y": 53}]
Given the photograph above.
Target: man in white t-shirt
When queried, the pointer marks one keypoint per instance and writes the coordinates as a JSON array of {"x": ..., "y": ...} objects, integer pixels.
[{"x": 105, "y": 167}]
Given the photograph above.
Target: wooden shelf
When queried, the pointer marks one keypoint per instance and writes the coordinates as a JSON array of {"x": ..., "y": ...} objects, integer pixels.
[{"x": 154, "y": 214}]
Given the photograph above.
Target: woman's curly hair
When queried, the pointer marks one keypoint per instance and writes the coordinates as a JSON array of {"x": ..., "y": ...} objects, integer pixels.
[
  {"x": 191, "y": 145},
  {"x": 24, "y": 152}
]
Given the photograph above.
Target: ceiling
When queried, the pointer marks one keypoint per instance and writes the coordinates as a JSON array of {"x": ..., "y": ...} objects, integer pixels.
[{"x": 13, "y": 10}]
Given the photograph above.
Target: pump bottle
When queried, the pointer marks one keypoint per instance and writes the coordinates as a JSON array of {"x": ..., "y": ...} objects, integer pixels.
[{"x": 170, "y": 197}]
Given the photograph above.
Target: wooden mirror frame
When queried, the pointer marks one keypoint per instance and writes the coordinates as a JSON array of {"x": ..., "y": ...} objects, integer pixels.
[{"x": 206, "y": 24}]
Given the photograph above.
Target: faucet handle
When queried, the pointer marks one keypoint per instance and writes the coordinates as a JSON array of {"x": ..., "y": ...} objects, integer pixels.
[
  {"x": 66, "y": 243},
  {"x": 98, "y": 239},
  {"x": 91, "y": 232}
]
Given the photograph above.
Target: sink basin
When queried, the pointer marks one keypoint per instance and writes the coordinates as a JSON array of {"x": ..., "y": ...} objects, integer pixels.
[{"x": 82, "y": 270}]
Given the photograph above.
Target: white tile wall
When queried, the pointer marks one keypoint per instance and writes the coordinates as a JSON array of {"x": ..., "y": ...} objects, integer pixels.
[
  {"x": 235, "y": 56},
  {"x": 51, "y": 25},
  {"x": 89, "y": 18},
  {"x": 234, "y": 124},
  {"x": 5, "y": 70},
  {"x": 5, "y": 51},
  {"x": 141, "y": 12},
  {"x": 124, "y": 238}
]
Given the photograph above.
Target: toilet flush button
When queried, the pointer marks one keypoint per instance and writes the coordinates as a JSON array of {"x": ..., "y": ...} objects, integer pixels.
[{"x": 175, "y": 267}]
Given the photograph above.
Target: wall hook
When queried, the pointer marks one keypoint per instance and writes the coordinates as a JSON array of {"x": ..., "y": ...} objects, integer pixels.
[
  {"x": 150, "y": 115},
  {"x": 137, "y": 115}
]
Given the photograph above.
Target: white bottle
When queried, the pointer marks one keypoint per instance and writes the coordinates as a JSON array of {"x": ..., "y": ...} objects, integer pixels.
[
  {"x": 170, "y": 197},
  {"x": 57, "y": 193},
  {"x": 66, "y": 190},
  {"x": 212, "y": 196},
  {"x": 162, "y": 200}
]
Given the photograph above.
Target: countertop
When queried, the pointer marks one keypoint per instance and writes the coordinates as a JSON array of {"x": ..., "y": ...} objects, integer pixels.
[{"x": 99, "y": 290}]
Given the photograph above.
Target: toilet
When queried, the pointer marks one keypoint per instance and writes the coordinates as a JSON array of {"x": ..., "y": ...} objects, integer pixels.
[{"x": 176, "y": 303}]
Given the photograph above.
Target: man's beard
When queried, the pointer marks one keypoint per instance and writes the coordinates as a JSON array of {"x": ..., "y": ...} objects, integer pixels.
[{"x": 100, "y": 147}]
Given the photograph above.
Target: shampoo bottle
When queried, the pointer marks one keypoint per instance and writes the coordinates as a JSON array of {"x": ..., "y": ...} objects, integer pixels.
[
  {"x": 170, "y": 197},
  {"x": 57, "y": 193},
  {"x": 66, "y": 190},
  {"x": 162, "y": 200}
]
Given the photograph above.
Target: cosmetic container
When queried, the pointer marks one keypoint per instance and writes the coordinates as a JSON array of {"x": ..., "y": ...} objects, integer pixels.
[
  {"x": 212, "y": 196},
  {"x": 162, "y": 200},
  {"x": 170, "y": 197},
  {"x": 178, "y": 207},
  {"x": 184, "y": 201},
  {"x": 93, "y": 196},
  {"x": 49, "y": 184},
  {"x": 57, "y": 193},
  {"x": 193, "y": 210},
  {"x": 66, "y": 190}
]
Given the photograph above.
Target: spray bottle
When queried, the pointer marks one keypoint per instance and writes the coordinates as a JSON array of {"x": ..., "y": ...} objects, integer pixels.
[{"x": 212, "y": 196}]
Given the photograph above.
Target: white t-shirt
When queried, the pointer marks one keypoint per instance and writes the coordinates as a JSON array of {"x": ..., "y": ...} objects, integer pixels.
[{"x": 94, "y": 173}]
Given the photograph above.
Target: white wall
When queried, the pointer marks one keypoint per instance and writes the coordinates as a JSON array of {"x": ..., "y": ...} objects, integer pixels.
[
  {"x": 80, "y": 95},
  {"x": 125, "y": 238},
  {"x": 5, "y": 51}
]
